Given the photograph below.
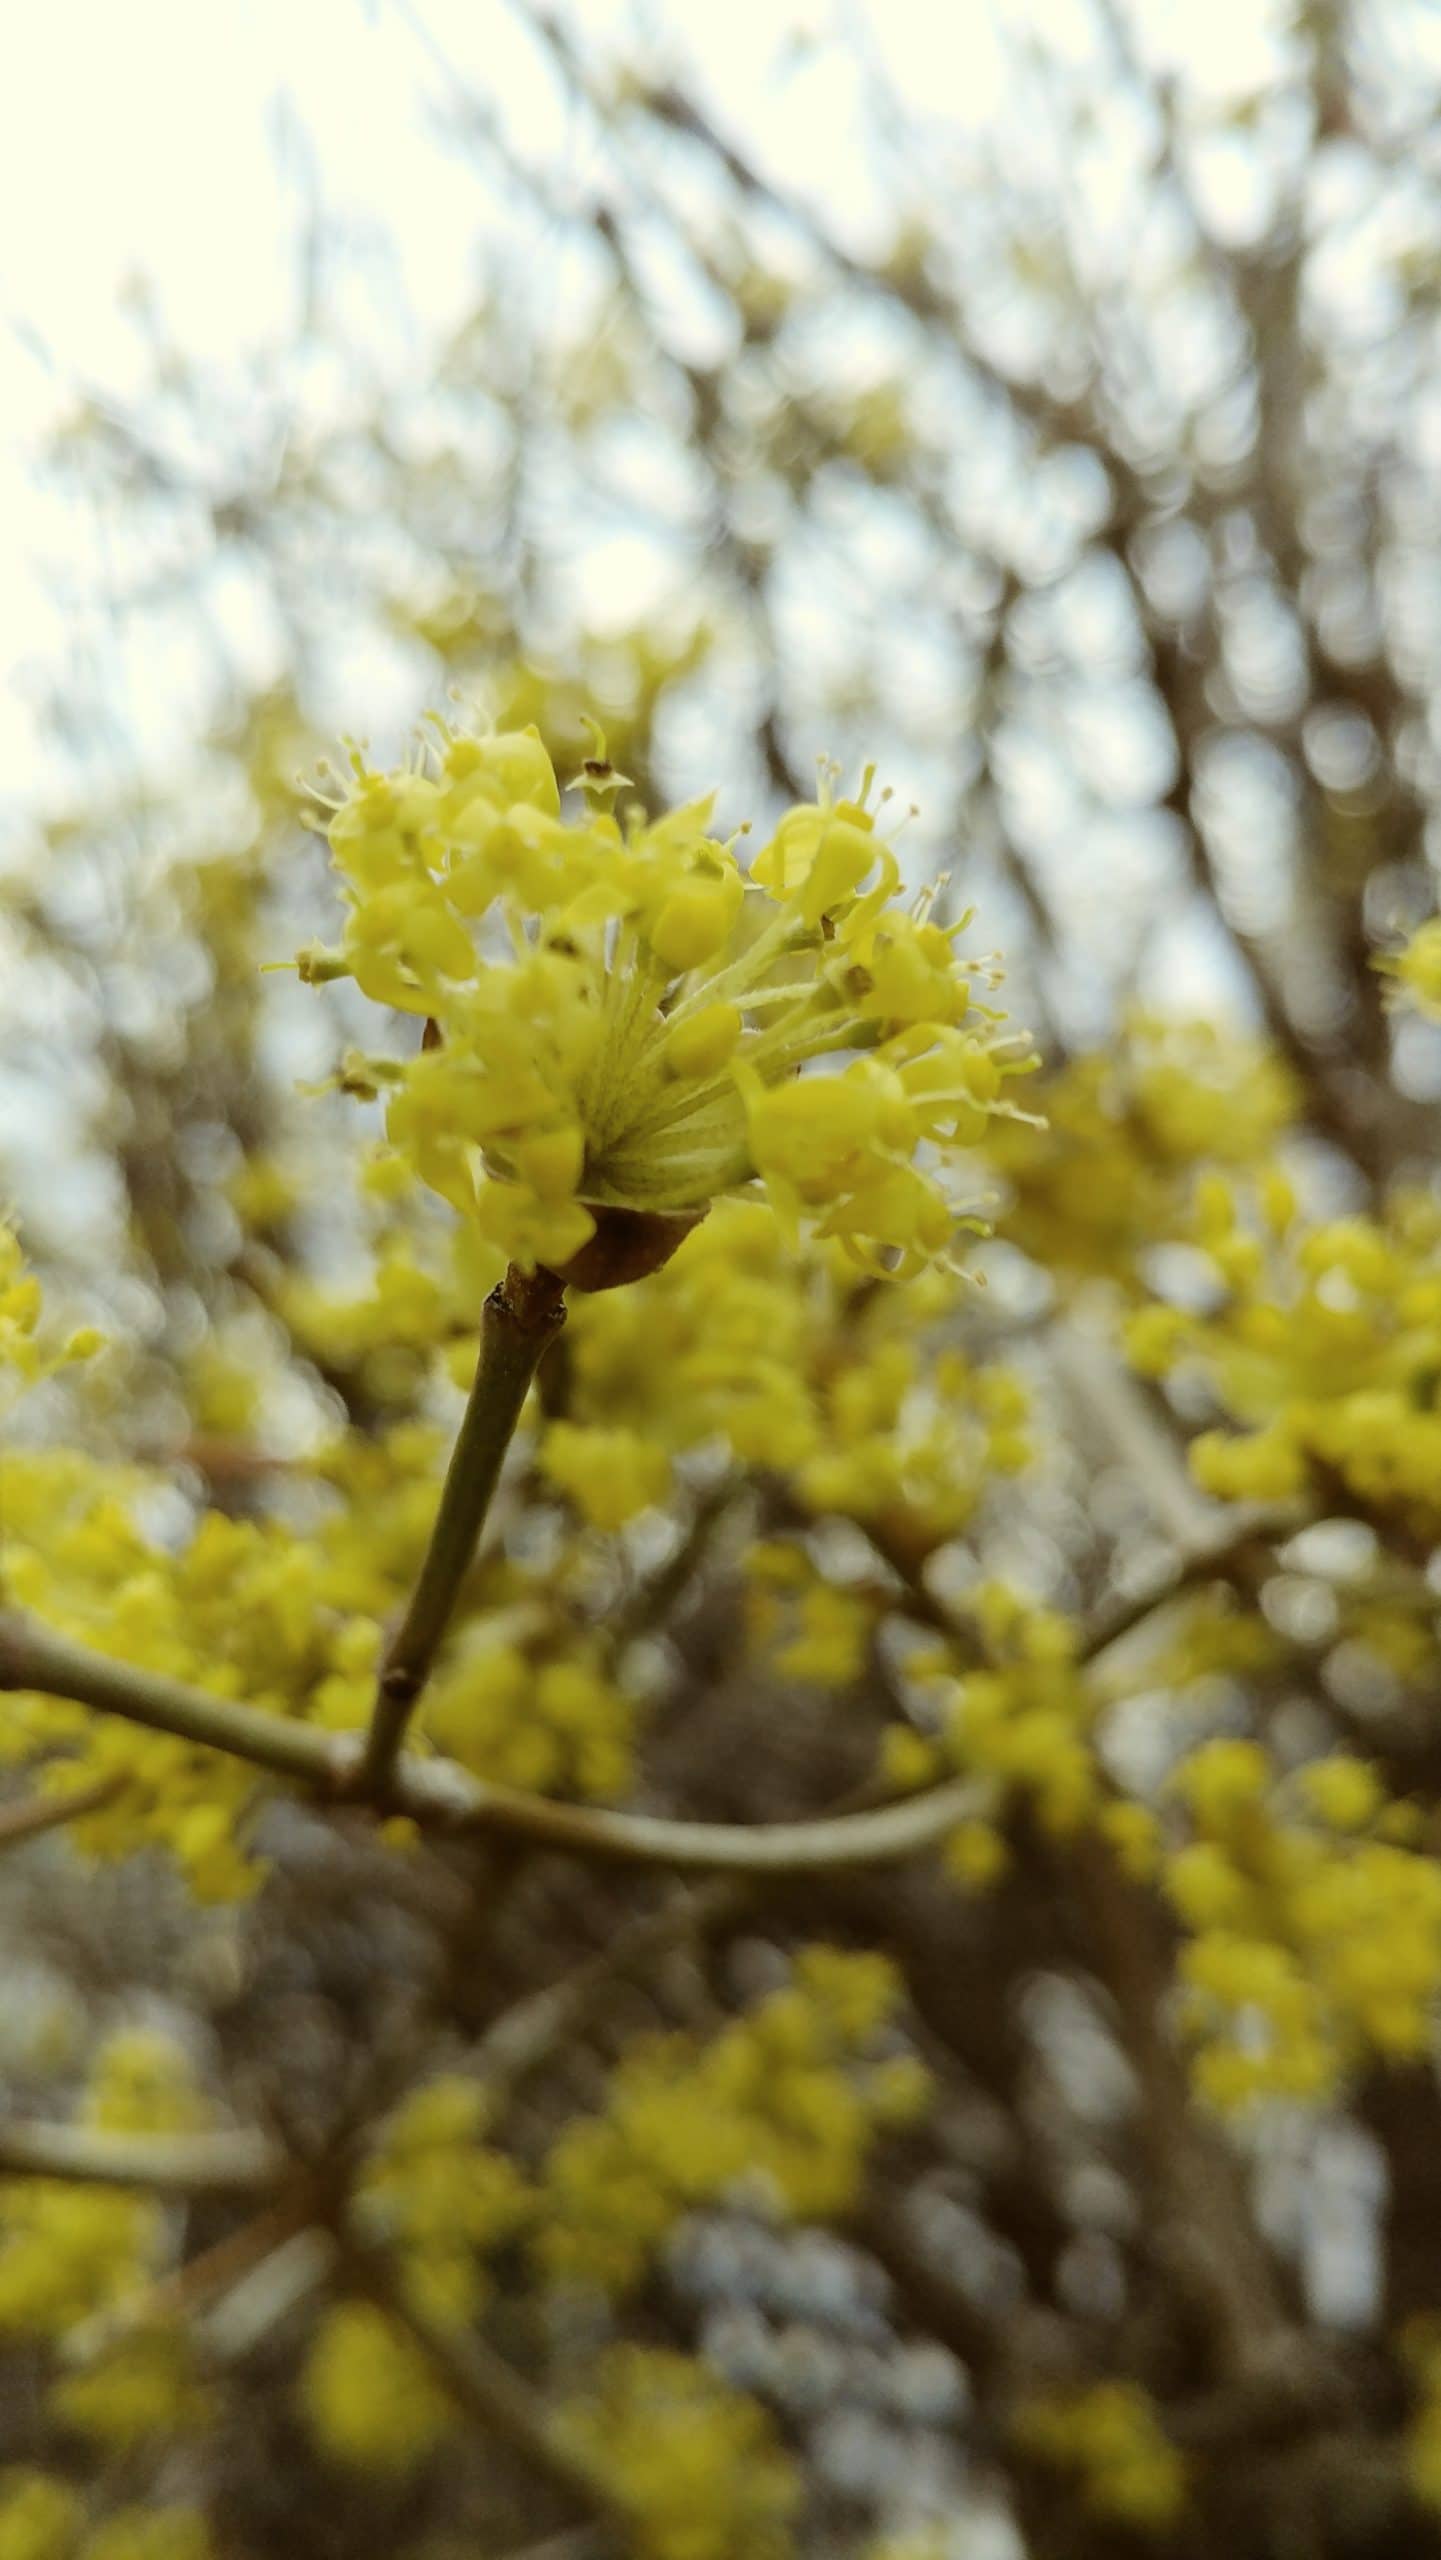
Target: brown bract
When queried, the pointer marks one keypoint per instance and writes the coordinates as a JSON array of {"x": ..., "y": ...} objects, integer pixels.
[{"x": 628, "y": 1244}]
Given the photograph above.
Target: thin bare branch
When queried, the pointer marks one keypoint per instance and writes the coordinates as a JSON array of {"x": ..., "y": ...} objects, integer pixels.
[
  {"x": 38, "y": 1814},
  {"x": 228, "y": 2163},
  {"x": 479, "y": 2381}
]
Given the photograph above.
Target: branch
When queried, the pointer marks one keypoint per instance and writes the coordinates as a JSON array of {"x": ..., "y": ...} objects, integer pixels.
[
  {"x": 541, "y": 2023},
  {"x": 36, "y": 1814},
  {"x": 176, "y": 2164},
  {"x": 521, "y": 1319},
  {"x": 202, "y": 2281},
  {"x": 582, "y": 2544},
  {"x": 479, "y": 2381},
  {"x": 34, "y": 1656},
  {"x": 438, "y": 1795}
]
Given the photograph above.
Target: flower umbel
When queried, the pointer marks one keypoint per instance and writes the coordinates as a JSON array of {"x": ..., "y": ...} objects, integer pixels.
[{"x": 618, "y": 1016}]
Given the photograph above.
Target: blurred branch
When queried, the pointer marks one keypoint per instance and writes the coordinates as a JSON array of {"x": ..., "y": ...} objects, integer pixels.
[
  {"x": 202, "y": 2283},
  {"x": 1180, "y": 680},
  {"x": 527, "y": 2034},
  {"x": 178, "y": 2164},
  {"x": 583, "y": 2544},
  {"x": 1207, "y": 2233},
  {"x": 38, "y": 1814},
  {"x": 478, "y": 2380}
]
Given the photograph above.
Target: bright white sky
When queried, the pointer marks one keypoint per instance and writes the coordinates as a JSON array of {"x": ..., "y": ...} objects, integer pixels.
[{"x": 169, "y": 139}]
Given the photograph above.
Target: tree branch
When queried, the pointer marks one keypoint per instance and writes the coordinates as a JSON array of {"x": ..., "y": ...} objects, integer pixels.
[
  {"x": 226, "y": 2163},
  {"x": 440, "y": 1796},
  {"x": 479, "y": 2381},
  {"x": 34, "y": 1815},
  {"x": 521, "y": 1319},
  {"x": 34, "y": 1656}
]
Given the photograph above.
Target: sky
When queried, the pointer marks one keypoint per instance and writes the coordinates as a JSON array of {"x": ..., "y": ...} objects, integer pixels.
[{"x": 177, "y": 142}]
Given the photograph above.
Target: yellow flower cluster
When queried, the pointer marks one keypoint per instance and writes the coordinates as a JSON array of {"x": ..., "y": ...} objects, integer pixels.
[
  {"x": 790, "y": 2098},
  {"x": 367, "y": 2393},
  {"x": 713, "y": 1348},
  {"x": 618, "y": 1019},
  {"x": 42, "y": 2518},
  {"x": 1104, "y": 1177},
  {"x": 538, "y": 1710},
  {"x": 370, "y": 1545},
  {"x": 287, "y": 1618},
  {"x": 140, "y": 2387},
  {"x": 1416, "y": 968},
  {"x": 694, "y": 2467},
  {"x": 1422, "y": 2347},
  {"x": 142, "y": 2083},
  {"x": 609, "y": 1471},
  {"x": 24, "y": 1354},
  {"x": 435, "y": 2193},
  {"x": 1323, "y": 1345},
  {"x": 1110, "y": 2438},
  {"x": 795, "y": 1364},
  {"x": 809, "y": 1627},
  {"x": 19, "y": 1308},
  {"x": 419, "y": 1295},
  {"x": 1023, "y": 1718},
  {"x": 244, "y": 1608},
  {"x": 1316, "y": 1932},
  {"x": 69, "y": 2251}
]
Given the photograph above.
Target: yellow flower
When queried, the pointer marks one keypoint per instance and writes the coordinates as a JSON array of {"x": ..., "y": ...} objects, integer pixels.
[
  {"x": 40, "y": 2518},
  {"x": 610, "y": 1474},
  {"x": 791, "y": 2097},
  {"x": 23, "y": 1354},
  {"x": 975, "y": 1855},
  {"x": 1317, "y": 1932},
  {"x": 151, "y": 2533},
  {"x": 1417, "y": 967},
  {"x": 436, "y": 2192},
  {"x": 554, "y": 1724},
  {"x": 1111, "y": 2437},
  {"x": 694, "y": 2465},
  {"x": 141, "y": 2387},
  {"x": 368, "y": 2394},
  {"x": 1342, "y": 1791},
  {"x": 620, "y": 1020}
]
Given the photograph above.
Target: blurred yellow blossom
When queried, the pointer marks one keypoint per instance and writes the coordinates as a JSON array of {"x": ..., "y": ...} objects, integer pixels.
[
  {"x": 694, "y": 2466},
  {"x": 1111, "y": 2438}
]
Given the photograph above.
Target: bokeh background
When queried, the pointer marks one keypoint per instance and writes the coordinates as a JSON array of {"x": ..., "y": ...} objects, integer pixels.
[
  {"x": 1038, "y": 402},
  {"x": 1042, "y": 402}
]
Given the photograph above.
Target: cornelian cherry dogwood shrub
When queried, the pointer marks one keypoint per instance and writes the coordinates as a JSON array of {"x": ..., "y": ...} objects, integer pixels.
[{"x": 738, "y": 1120}]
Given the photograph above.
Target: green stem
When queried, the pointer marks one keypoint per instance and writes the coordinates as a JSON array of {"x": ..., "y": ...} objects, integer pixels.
[{"x": 521, "y": 1319}]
